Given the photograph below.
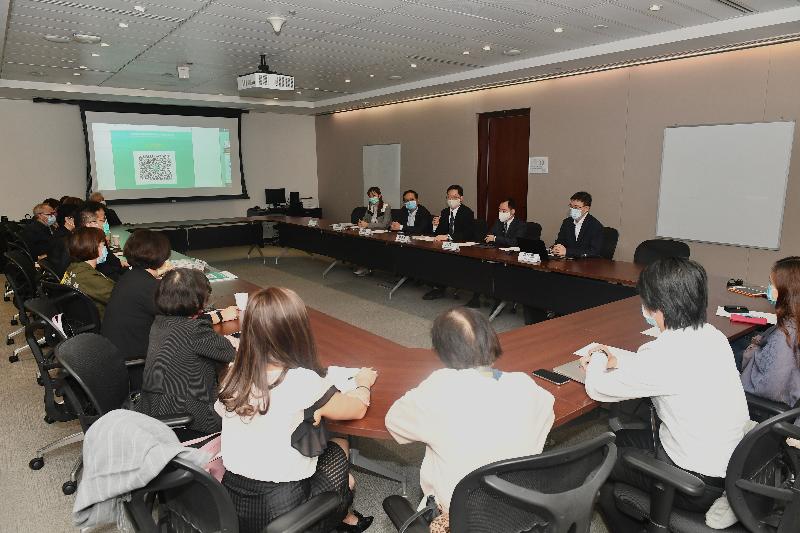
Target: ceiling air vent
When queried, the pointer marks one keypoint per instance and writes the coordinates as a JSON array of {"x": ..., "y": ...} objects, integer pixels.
[
  {"x": 444, "y": 61},
  {"x": 736, "y": 5}
]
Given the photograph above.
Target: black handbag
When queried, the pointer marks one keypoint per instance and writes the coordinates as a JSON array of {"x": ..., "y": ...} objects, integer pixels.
[{"x": 308, "y": 439}]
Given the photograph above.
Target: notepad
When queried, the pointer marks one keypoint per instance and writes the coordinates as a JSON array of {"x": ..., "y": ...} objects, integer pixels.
[
  {"x": 222, "y": 275},
  {"x": 772, "y": 318}
]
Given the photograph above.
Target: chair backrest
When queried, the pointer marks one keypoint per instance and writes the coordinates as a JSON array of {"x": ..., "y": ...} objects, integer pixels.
[
  {"x": 96, "y": 368},
  {"x": 80, "y": 314},
  {"x": 481, "y": 229},
  {"x": 396, "y": 213},
  {"x": 42, "y": 311},
  {"x": 649, "y": 251},
  {"x": 610, "y": 238},
  {"x": 763, "y": 478},
  {"x": 186, "y": 494},
  {"x": 533, "y": 230},
  {"x": 553, "y": 492},
  {"x": 21, "y": 276},
  {"x": 49, "y": 271},
  {"x": 357, "y": 214},
  {"x": 761, "y": 409}
]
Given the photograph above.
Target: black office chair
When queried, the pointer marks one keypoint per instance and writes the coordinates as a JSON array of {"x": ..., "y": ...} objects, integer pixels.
[
  {"x": 95, "y": 382},
  {"x": 649, "y": 251},
  {"x": 610, "y": 238},
  {"x": 762, "y": 485},
  {"x": 357, "y": 214},
  {"x": 533, "y": 230},
  {"x": 553, "y": 492},
  {"x": 49, "y": 271},
  {"x": 396, "y": 213},
  {"x": 184, "y": 494},
  {"x": 481, "y": 229},
  {"x": 79, "y": 312},
  {"x": 761, "y": 409},
  {"x": 22, "y": 277}
]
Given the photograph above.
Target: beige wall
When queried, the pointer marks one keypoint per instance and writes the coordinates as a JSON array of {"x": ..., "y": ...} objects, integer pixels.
[
  {"x": 603, "y": 133},
  {"x": 43, "y": 154}
]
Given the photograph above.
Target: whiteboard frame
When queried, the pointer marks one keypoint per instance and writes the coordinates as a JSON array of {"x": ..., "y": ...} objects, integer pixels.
[{"x": 785, "y": 181}]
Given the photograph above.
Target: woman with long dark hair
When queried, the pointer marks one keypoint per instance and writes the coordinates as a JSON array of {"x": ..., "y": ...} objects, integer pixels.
[
  {"x": 275, "y": 383},
  {"x": 771, "y": 364}
]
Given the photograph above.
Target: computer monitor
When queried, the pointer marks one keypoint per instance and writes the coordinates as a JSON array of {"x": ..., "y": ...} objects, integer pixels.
[
  {"x": 294, "y": 198},
  {"x": 275, "y": 196}
]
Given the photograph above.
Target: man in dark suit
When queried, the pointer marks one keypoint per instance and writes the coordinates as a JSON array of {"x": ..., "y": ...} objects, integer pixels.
[
  {"x": 414, "y": 219},
  {"x": 455, "y": 223},
  {"x": 39, "y": 232},
  {"x": 111, "y": 216},
  {"x": 581, "y": 235},
  {"x": 507, "y": 228}
]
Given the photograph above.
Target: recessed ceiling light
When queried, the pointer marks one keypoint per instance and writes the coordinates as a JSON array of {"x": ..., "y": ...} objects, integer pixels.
[
  {"x": 347, "y": 80},
  {"x": 275, "y": 98},
  {"x": 395, "y": 77},
  {"x": 104, "y": 44},
  {"x": 558, "y": 29},
  {"x": 316, "y": 88},
  {"x": 487, "y": 47},
  {"x": 220, "y": 94},
  {"x": 600, "y": 26},
  {"x": 511, "y": 52},
  {"x": 655, "y": 7},
  {"x": 140, "y": 9},
  {"x": 465, "y": 53},
  {"x": 76, "y": 73},
  {"x": 413, "y": 65},
  {"x": 141, "y": 88},
  {"x": 122, "y": 25},
  {"x": 57, "y": 38},
  {"x": 83, "y": 67},
  {"x": 86, "y": 38},
  {"x": 298, "y": 92},
  {"x": 372, "y": 75},
  {"x": 95, "y": 55},
  {"x": 69, "y": 83}
]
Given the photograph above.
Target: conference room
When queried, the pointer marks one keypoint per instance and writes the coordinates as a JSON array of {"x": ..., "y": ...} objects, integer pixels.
[{"x": 514, "y": 266}]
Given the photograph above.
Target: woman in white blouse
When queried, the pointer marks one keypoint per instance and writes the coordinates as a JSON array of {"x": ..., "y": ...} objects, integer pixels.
[
  {"x": 275, "y": 383},
  {"x": 690, "y": 375},
  {"x": 469, "y": 414}
]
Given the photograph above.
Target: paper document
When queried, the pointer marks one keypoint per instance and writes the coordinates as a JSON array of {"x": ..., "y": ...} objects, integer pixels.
[
  {"x": 342, "y": 377},
  {"x": 772, "y": 318},
  {"x": 511, "y": 249},
  {"x": 423, "y": 238},
  {"x": 222, "y": 275},
  {"x": 468, "y": 243},
  {"x": 616, "y": 351},
  {"x": 380, "y": 231},
  {"x": 652, "y": 332}
]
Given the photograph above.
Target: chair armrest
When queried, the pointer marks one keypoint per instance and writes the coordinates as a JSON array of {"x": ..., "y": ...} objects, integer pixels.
[
  {"x": 399, "y": 510},
  {"x": 131, "y": 363},
  {"x": 305, "y": 516},
  {"x": 764, "y": 405},
  {"x": 673, "y": 476},
  {"x": 176, "y": 420}
]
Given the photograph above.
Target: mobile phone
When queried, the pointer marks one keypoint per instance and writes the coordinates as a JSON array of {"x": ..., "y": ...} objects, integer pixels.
[
  {"x": 552, "y": 377},
  {"x": 736, "y": 309}
]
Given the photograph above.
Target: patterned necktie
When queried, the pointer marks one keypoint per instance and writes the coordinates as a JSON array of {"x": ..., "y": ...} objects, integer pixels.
[{"x": 452, "y": 224}]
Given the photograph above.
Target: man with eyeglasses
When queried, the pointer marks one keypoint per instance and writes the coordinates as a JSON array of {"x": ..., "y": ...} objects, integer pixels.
[
  {"x": 93, "y": 215},
  {"x": 39, "y": 232},
  {"x": 581, "y": 235}
]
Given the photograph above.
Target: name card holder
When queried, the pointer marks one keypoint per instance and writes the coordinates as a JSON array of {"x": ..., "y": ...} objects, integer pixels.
[
  {"x": 404, "y": 239},
  {"x": 366, "y": 232},
  {"x": 450, "y": 246},
  {"x": 339, "y": 227},
  {"x": 313, "y": 223},
  {"x": 527, "y": 257}
]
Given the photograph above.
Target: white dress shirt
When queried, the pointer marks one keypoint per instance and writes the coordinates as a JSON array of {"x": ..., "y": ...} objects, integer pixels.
[
  {"x": 692, "y": 379},
  {"x": 412, "y": 216},
  {"x": 467, "y": 419},
  {"x": 578, "y": 225}
]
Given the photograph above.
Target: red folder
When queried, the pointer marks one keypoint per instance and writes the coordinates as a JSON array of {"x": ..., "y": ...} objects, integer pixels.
[{"x": 749, "y": 320}]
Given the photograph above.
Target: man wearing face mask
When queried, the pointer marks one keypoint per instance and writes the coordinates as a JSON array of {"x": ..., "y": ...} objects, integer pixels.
[
  {"x": 93, "y": 215},
  {"x": 581, "y": 235},
  {"x": 111, "y": 216},
  {"x": 507, "y": 229},
  {"x": 414, "y": 219},
  {"x": 38, "y": 234}
]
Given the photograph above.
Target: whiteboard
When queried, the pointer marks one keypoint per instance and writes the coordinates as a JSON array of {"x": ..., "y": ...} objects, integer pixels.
[
  {"x": 381, "y": 164},
  {"x": 725, "y": 184}
]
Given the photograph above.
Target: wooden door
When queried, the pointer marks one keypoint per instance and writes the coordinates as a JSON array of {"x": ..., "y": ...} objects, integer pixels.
[{"x": 503, "y": 161}]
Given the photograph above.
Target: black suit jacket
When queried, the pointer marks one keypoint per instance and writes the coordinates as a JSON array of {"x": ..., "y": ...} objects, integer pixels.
[
  {"x": 37, "y": 236},
  {"x": 464, "y": 224},
  {"x": 516, "y": 229},
  {"x": 422, "y": 221},
  {"x": 590, "y": 239},
  {"x": 112, "y": 217},
  {"x": 130, "y": 313}
]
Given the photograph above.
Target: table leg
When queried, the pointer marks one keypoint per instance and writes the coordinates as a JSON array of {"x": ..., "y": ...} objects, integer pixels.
[
  {"x": 374, "y": 467},
  {"x": 397, "y": 286},
  {"x": 281, "y": 254},
  {"x": 330, "y": 267},
  {"x": 258, "y": 248}
]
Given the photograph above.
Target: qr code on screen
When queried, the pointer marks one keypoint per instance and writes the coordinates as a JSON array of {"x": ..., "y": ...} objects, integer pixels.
[{"x": 154, "y": 168}]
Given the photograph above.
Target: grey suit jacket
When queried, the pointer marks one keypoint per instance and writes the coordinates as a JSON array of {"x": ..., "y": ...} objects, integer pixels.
[{"x": 384, "y": 219}]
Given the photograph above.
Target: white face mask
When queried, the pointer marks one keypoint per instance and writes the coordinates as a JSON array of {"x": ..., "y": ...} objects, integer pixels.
[
  {"x": 504, "y": 216},
  {"x": 453, "y": 203}
]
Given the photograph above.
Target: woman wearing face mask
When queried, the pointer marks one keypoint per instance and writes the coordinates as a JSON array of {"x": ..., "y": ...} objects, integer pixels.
[
  {"x": 87, "y": 249},
  {"x": 379, "y": 213},
  {"x": 772, "y": 361}
]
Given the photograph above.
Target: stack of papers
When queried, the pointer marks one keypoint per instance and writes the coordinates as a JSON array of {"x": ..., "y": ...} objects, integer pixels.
[
  {"x": 511, "y": 249},
  {"x": 342, "y": 377},
  {"x": 380, "y": 231},
  {"x": 423, "y": 238},
  {"x": 772, "y": 318},
  {"x": 468, "y": 243},
  {"x": 222, "y": 275}
]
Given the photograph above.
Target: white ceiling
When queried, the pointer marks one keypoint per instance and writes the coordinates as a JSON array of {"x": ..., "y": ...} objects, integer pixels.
[{"x": 325, "y": 42}]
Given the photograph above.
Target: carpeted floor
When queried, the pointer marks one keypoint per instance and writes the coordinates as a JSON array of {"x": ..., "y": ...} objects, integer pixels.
[{"x": 32, "y": 500}]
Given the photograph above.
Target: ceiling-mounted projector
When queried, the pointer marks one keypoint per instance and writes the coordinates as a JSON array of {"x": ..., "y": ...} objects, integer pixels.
[{"x": 264, "y": 78}]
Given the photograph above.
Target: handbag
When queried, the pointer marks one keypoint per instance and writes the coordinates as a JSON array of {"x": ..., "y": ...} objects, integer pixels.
[
  {"x": 212, "y": 444},
  {"x": 308, "y": 439}
]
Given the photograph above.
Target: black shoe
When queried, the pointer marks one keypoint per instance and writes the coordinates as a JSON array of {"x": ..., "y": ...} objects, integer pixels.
[
  {"x": 434, "y": 294},
  {"x": 474, "y": 302},
  {"x": 363, "y": 523}
]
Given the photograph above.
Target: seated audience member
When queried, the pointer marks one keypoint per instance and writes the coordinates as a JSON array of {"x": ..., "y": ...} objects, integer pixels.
[
  {"x": 455, "y": 223},
  {"x": 111, "y": 215},
  {"x": 93, "y": 215},
  {"x": 275, "y": 384},
  {"x": 377, "y": 216},
  {"x": 581, "y": 235},
  {"x": 772, "y": 361},
  {"x": 689, "y": 374},
  {"x": 87, "y": 248},
  {"x": 39, "y": 232},
  {"x": 58, "y": 250},
  {"x": 52, "y": 202},
  {"x": 414, "y": 218},
  {"x": 508, "y": 228},
  {"x": 180, "y": 373},
  {"x": 469, "y": 414}
]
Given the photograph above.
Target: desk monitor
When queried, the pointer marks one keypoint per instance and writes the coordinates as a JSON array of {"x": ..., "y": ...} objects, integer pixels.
[
  {"x": 294, "y": 199},
  {"x": 534, "y": 246},
  {"x": 275, "y": 196}
]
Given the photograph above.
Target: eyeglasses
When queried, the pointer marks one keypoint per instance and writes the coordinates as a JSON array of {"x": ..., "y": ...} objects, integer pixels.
[{"x": 572, "y": 206}]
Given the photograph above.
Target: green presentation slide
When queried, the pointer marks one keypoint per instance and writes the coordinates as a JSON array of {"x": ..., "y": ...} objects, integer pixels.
[{"x": 161, "y": 157}]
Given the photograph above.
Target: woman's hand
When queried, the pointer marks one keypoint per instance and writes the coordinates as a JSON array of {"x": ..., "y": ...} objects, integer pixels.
[
  {"x": 229, "y": 313},
  {"x": 366, "y": 377},
  {"x": 362, "y": 224}
]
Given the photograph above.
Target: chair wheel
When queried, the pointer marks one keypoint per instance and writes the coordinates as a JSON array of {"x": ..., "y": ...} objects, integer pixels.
[
  {"x": 36, "y": 463},
  {"x": 14, "y": 322},
  {"x": 9, "y": 342},
  {"x": 69, "y": 488},
  {"x": 13, "y": 358}
]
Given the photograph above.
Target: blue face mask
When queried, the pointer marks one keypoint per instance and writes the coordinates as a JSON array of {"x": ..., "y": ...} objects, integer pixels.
[
  {"x": 411, "y": 205},
  {"x": 103, "y": 256},
  {"x": 106, "y": 228},
  {"x": 51, "y": 219},
  {"x": 649, "y": 319},
  {"x": 771, "y": 295},
  {"x": 574, "y": 213}
]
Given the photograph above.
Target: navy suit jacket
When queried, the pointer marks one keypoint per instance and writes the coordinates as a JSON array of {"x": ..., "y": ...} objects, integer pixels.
[
  {"x": 422, "y": 221},
  {"x": 590, "y": 239},
  {"x": 502, "y": 238},
  {"x": 464, "y": 224}
]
